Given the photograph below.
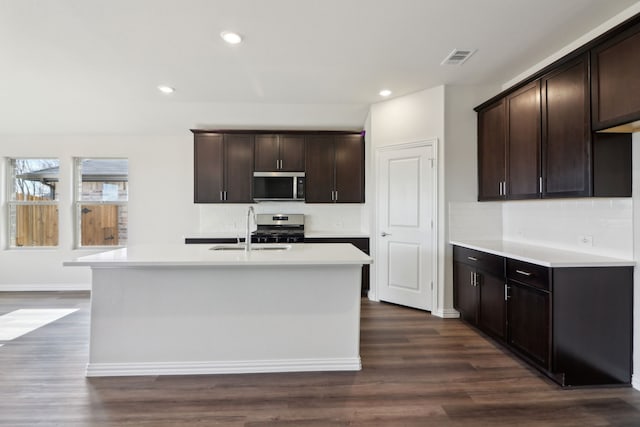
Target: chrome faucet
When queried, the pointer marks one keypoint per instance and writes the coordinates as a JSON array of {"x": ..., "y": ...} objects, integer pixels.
[{"x": 247, "y": 240}]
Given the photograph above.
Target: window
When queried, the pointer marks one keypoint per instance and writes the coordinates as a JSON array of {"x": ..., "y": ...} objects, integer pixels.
[
  {"x": 101, "y": 196},
  {"x": 33, "y": 202}
]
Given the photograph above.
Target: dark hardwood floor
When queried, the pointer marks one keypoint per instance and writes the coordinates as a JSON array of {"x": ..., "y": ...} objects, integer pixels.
[{"x": 418, "y": 370}]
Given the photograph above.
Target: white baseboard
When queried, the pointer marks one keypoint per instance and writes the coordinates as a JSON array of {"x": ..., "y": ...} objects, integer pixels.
[
  {"x": 446, "y": 313},
  {"x": 225, "y": 367},
  {"x": 40, "y": 287},
  {"x": 635, "y": 381}
]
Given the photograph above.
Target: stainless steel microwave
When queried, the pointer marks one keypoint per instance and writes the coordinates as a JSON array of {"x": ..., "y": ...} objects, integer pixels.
[{"x": 278, "y": 186}]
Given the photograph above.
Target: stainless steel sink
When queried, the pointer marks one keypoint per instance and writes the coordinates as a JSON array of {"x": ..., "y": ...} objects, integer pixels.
[{"x": 254, "y": 247}]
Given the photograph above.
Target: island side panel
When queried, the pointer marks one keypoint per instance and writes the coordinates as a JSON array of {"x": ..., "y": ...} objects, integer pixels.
[{"x": 224, "y": 319}]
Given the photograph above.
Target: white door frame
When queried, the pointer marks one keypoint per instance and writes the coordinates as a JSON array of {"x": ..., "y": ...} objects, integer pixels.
[{"x": 433, "y": 142}]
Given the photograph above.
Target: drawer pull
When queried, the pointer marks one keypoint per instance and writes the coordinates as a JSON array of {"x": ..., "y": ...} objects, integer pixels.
[
  {"x": 524, "y": 273},
  {"x": 470, "y": 258}
]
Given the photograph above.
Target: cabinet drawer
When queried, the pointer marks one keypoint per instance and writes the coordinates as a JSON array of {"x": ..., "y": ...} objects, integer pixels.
[
  {"x": 489, "y": 263},
  {"x": 529, "y": 274}
]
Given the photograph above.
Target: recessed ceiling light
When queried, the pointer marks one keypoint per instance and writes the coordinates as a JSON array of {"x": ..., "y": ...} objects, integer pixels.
[
  {"x": 166, "y": 89},
  {"x": 231, "y": 37},
  {"x": 385, "y": 92}
]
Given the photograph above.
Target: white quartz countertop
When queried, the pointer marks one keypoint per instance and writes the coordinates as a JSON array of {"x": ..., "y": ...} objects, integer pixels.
[
  {"x": 542, "y": 255},
  {"x": 175, "y": 255}
]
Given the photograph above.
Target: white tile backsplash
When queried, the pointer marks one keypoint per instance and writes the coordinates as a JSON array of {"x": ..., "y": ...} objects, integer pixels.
[
  {"x": 222, "y": 218},
  {"x": 560, "y": 224},
  {"x": 475, "y": 221}
]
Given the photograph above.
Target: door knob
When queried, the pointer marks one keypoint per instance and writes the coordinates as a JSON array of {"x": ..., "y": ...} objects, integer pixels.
[{"x": 384, "y": 234}]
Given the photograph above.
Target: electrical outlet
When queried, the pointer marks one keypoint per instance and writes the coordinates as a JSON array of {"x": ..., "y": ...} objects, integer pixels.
[{"x": 585, "y": 240}]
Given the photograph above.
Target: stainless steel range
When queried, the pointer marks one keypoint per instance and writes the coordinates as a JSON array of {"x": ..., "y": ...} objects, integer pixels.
[{"x": 279, "y": 228}]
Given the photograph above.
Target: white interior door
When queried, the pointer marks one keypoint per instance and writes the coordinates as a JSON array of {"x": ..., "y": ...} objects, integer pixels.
[{"x": 406, "y": 210}]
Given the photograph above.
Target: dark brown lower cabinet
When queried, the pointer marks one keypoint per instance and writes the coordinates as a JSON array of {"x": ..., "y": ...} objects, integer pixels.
[
  {"x": 592, "y": 325},
  {"x": 479, "y": 291},
  {"x": 574, "y": 324},
  {"x": 465, "y": 293},
  {"x": 529, "y": 322},
  {"x": 491, "y": 305}
]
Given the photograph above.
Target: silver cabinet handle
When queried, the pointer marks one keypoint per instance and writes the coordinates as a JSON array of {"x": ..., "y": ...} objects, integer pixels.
[
  {"x": 524, "y": 273},
  {"x": 503, "y": 188},
  {"x": 470, "y": 258},
  {"x": 475, "y": 279},
  {"x": 506, "y": 292},
  {"x": 385, "y": 234},
  {"x": 336, "y": 195}
]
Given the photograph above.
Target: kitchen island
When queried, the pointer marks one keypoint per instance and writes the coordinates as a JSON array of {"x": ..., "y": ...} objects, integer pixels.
[{"x": 200, "y": 309}]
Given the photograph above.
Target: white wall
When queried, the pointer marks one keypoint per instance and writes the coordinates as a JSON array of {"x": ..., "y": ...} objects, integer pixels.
[
  {"x": 411, "y": 118},
  {"x": 599, "y": 30},
  {"x": 445, "y": 113},
  {"x": 465, "y": 216},
  {"x": 161, "y": 208}
]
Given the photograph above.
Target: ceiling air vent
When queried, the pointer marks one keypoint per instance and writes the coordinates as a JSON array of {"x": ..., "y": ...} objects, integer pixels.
[{"x": 458, "y": 56}]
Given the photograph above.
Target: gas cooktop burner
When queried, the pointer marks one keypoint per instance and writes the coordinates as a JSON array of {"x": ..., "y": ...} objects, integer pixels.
[{"x": 279, "y": 228}]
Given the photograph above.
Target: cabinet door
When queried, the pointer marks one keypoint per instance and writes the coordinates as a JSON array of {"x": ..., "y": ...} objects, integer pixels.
[
  {"x": 292, "y": 153},
  {"x": 208, "y": 168},
  {"x": 465, "y": 293},
  {"x": 529, "y": 322},
  {"x": 319, "y": 169},
  {"x": 491, "y": 151},
  {"x": 566, "y": 131},
  {"x": 491, "y": 305},
  {"x": 266, "y": 153},
  {"x": 615, "y": 80},
  {"x": 238, "y": 167},
  {"x": 349, "y": 169},
  {"x": 523, "y": 134}
]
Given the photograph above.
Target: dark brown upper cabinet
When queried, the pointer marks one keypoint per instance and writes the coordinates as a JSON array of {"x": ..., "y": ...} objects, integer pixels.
[
  {"x": 282, "y": 153},
  {"x": 566, "y": 133},
  {"x": 553, "y": 123},
  {"x": 334, "y": 168},
  {"x": 509, "y": 146},
  {"x": 492, "y": 141},
  {"x": 615, "y": 80},
  {"x": 523, "y": 142},
  {"x": 223, "y": 168}
]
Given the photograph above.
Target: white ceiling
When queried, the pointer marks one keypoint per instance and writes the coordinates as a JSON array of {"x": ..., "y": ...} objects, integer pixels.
[{"x": 93, "y": 65}]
